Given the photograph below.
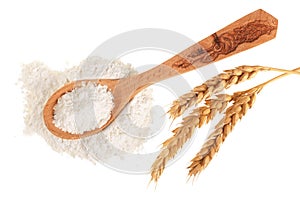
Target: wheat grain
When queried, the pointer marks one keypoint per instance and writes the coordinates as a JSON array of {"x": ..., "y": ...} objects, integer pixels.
[
  {"x": 184, "y": 132},
  {"x": 213, "y": 86},
  {"x": 242, "y": 101}
]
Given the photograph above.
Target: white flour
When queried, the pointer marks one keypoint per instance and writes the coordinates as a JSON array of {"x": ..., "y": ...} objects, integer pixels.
[
  {"x": 39, "y": 83},
  {"x": 83, "y": 109}
]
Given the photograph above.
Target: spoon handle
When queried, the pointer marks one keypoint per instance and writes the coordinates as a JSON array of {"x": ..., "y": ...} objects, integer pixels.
[{"x": 247, "y": 32}]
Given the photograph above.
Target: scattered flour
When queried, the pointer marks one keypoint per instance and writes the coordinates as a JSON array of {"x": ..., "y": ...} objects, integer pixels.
[
  {"x": 83, "y": 109},
  {"x": 39, "y": 83}
]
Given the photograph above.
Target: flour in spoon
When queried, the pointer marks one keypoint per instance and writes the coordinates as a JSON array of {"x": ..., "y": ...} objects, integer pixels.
[{"x": 85, "y": 108}]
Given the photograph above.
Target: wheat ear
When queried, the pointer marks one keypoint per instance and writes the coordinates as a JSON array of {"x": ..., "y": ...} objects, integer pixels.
[
  {"x": 184, "y": 132},
  {"x": 242, "y": 101},
  {"x": 215, "y": 85},
  {"x": 240, "y": 106},
  {"x": 200, "y": 116}
]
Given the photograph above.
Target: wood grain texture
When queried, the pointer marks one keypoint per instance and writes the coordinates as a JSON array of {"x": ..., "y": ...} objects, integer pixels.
[
  {"x": 226, "y": 43},
  {"x": 251, "y": 30}
]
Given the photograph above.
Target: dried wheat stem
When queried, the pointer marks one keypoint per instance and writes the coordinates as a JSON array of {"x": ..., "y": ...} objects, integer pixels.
[
  {"x": 215, "y": 85},
  {"x": 184, "y": 132}
]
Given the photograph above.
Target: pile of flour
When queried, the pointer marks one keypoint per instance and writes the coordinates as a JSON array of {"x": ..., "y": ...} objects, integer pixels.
[{"x": 39, "y": 83}]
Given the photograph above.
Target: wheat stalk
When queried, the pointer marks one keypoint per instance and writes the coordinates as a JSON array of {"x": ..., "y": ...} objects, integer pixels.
[
  {"x": 201, "y": 115},
  {"x": 242, "y": 102},
  {"x": 215, "y": 85},
  {"x": 204, "y": 114}
]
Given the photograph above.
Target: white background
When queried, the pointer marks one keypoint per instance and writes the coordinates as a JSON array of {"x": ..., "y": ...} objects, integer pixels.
[{"x": 259, "y": 159}]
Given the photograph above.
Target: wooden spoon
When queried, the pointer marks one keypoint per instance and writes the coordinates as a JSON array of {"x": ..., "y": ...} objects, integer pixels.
[{"x": 247, "y": 32}]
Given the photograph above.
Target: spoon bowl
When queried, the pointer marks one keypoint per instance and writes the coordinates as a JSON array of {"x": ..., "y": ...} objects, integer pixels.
[{"x": 48, "y": 112}]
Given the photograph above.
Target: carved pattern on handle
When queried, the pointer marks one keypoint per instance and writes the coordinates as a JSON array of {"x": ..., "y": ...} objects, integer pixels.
[{"x": 226, "y": 43}]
